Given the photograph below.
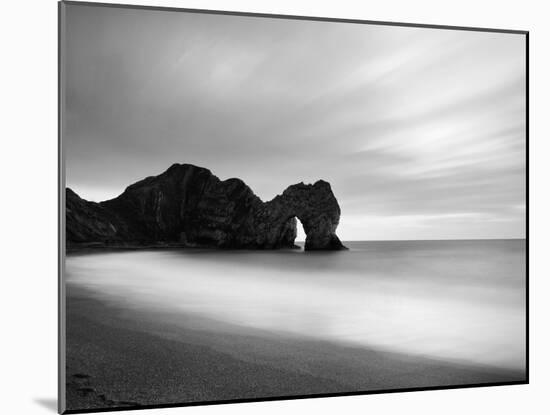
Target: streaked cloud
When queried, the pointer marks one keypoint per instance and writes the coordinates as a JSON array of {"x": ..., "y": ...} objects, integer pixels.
[{"x": 420, "y": 131}]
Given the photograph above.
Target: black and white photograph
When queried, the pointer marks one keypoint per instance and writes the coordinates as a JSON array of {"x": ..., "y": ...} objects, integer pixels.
[{"x": 261, "y": 207}]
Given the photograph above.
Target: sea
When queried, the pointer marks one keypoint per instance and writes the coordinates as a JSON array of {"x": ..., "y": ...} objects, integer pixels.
[{"x": 456, "y": 300}]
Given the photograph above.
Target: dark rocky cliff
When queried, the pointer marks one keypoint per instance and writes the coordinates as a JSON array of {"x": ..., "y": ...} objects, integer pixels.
[{"x": 190, "y": 206}]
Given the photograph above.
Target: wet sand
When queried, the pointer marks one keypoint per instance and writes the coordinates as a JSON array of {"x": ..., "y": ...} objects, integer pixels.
[{"x": 123, "y": 357}]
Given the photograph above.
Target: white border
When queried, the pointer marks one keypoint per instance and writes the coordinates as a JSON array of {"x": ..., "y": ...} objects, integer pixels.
[{"x": 29, "y": 204}]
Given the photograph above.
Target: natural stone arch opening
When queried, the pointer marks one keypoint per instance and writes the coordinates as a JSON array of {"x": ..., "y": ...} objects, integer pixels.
[{"x": 300, "y": 232}]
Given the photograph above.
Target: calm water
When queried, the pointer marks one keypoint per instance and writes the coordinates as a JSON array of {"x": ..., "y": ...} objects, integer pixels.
[{"x": 456, "y": 300}]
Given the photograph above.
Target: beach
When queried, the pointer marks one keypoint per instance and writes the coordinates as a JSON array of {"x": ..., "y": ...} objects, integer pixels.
[
  {"x": 132, "y": 349},
  {"x": 115, "y": 360}
]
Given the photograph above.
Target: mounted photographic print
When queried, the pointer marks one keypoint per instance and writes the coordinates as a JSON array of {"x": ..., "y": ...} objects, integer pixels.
[{"x": 258, "y": 207}]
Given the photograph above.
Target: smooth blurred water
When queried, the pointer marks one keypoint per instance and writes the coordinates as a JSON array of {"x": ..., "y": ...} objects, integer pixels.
[{"x": 455, "y": 300}]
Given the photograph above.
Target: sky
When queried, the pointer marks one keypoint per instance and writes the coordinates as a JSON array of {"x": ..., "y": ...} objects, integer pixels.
[{"x": 421, "y": 132}]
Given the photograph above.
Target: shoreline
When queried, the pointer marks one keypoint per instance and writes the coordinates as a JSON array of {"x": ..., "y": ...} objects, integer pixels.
[
  {"x": 101, "y": 248},
  {"x": 299, "y": 245},
  {"x": 122, "y": 357}
]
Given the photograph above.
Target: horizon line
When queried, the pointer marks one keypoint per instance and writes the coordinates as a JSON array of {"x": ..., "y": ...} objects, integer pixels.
[{"x": 429, "y": 240}]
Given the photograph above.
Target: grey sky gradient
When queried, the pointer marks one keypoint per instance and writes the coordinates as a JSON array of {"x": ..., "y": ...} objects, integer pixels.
[{"x": 421, "y": 132}]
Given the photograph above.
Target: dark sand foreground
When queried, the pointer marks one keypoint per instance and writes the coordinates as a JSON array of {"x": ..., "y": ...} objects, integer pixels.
[{"x": 119, "y": 357}]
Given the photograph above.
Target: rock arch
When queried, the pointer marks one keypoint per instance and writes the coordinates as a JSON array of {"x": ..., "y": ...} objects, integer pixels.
[
  {"x": 316, "y": 208},
  {"x": 189, "y": 206}
]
